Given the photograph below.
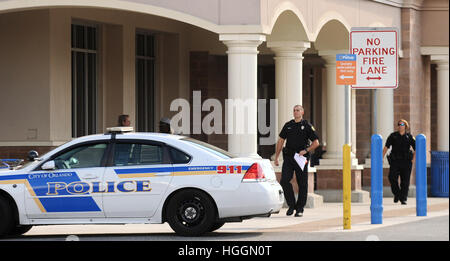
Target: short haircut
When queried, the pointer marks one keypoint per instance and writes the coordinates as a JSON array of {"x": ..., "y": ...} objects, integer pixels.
[
  {"x": 298, "y": 105},
  {"x": 122, "y": 118}
]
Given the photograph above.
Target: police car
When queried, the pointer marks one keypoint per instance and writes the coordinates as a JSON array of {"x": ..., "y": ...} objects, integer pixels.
[{"x": 129, "y": 177}]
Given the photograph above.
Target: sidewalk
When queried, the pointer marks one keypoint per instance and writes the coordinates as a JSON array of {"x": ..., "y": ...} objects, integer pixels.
[{"x": 327, "y": 218}]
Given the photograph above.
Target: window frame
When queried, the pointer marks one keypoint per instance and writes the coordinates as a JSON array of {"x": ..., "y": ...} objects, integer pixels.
[
  {"x": 170, "y": 155},
  {"x": 90, "y": 116},
  {"x": 81, "y": 144},
  {"x": 147, "y": 112},
  {"x": 165, "y": 159}
]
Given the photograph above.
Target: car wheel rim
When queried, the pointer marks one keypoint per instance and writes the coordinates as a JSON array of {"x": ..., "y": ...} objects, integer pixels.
[{"x": 191, "y": 212}]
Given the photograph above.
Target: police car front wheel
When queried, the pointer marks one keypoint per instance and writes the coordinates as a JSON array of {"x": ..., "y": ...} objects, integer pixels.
[
  {"x": 191, "y": 213},
  {"x": 6, "y": 217}
]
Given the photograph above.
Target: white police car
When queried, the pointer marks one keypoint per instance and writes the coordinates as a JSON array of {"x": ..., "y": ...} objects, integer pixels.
[{"x": 127, "y": 177}]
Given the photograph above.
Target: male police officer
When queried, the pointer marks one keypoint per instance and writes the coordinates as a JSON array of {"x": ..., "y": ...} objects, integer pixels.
[
  {"x": 298, "y": 132},
  {"x": 400, "y": 160}
]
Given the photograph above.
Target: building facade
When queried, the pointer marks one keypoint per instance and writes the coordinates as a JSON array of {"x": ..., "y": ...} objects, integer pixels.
[{"x": 69, "y": 68}]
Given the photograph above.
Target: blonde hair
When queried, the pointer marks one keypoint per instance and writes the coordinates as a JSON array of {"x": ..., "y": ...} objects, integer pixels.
[{"x": 405, "y": 122}]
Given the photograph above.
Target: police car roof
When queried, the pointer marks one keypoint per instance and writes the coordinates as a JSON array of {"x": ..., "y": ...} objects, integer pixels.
[{"x": 139, "y": 135}]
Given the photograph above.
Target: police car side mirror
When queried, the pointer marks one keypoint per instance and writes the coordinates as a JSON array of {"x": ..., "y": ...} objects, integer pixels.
[{"x": 49, "y": 165}]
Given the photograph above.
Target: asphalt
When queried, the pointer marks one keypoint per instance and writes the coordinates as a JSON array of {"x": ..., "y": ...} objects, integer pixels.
[{"x": 328, "y": 218}]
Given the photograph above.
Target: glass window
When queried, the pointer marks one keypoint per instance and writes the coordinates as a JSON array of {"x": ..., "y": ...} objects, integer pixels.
[
  {"x": 129, "y": 154},
  {"x": 84, "y": 80},
  {"x": 87, "y": 156},
  {"x": 179, "y": 157},
  {"x": 145, "y": 81}
]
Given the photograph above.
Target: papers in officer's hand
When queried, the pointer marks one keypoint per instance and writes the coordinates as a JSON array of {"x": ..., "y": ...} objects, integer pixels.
[{"x": 301, "y": 161}]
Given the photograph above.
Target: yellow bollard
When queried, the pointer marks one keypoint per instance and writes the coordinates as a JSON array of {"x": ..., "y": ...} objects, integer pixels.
[{"x": 347, "y": 187}]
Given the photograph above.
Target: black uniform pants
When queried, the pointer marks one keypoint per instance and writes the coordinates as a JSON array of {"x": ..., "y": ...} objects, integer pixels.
[
  {"x": 402, "y": 169},
  {"x": 289, "y": 167}
]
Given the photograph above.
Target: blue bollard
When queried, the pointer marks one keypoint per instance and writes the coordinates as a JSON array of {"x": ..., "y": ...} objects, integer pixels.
[
  {"x": 376, "y": 191},
  {"x": 421, "y": 175}
]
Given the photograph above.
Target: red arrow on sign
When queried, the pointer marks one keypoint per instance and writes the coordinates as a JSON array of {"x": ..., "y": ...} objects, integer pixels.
[{"x": 373, "y": 78}]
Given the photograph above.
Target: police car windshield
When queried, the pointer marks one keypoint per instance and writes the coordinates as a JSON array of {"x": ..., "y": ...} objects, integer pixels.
[{"x": 210, "y": 148}]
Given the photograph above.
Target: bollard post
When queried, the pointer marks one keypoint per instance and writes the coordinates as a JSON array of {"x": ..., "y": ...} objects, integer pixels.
[
  {"x": 376, "y": 191},
  {"x": 421, "y": 175},
  {"x": 347, "y": 186}
]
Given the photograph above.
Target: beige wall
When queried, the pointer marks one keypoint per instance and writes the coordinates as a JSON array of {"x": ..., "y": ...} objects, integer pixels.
[
  {"x": 24, "y": 76},
  {"x": 35, "y": 54},
  {"x": 435, "y": 28},
  {"x": 36, "y": 69}
]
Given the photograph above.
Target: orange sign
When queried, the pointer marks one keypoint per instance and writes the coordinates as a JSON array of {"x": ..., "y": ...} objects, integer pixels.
[{"x": 345, "y": 69}]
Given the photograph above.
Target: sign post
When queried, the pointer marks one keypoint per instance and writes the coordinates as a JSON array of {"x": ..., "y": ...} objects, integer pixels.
[
  {"x": 346, "y": 75},
  {"x": 376, "y": 49}
]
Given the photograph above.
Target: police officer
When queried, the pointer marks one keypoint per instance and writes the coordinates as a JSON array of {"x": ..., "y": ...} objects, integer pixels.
[
  {"x": 298, "y": 133},
  {"x": 400, "y": 160},
  {"x": 164, "y": 126},
  {"x": 124, "y": 120}
]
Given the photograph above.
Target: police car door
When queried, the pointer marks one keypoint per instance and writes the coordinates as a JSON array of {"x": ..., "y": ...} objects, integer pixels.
[
  {"x": 70, "y": 188},
  {"x": 137, "y": 178}
]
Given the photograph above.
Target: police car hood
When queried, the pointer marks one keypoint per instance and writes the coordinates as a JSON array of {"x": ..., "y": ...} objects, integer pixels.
[
  {"x": 265, "y": 164},
  {"x": 7, "y": 171},
  {"x": 4, "y": 170}
]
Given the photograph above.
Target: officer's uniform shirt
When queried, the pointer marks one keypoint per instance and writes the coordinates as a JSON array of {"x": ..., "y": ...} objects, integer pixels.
[
  {"x": 400, "y": 144},
  {"x": 298, "y": 134}
]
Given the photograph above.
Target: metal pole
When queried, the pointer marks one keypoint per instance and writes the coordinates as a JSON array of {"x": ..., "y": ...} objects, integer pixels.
[
  {"x": 375, "y": 111},
  {"x": 347, "y": 114},
  {"x": 421, "y": 175},
  {"x": 347, "y": 187},
  {"x": 376, "y": 176}
]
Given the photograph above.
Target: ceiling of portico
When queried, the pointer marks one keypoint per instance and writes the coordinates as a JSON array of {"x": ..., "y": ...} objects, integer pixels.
[
  {"x": 288, "y": 27},
  {"x": 333, "y": 36}
]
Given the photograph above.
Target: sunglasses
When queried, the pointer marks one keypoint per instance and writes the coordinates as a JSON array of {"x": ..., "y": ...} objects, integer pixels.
[{"x": 401, "y": 124}]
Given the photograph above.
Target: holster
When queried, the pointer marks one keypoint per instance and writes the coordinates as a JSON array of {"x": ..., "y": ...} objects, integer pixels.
[{"x": 389, "y": 158}]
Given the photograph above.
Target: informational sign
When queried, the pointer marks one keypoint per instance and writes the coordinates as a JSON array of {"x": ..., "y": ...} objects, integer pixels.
[
  {"x": 376, "y": 50},
  {"x": 345, "y": 69}
]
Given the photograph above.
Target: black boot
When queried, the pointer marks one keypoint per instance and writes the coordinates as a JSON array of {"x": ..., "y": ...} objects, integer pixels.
[{"x": 290, "y": 211}]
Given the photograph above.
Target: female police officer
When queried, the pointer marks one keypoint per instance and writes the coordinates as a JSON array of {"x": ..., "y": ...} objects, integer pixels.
[
  {"x": 400, "y": 160},
  {"x": 298, "y": 133}
]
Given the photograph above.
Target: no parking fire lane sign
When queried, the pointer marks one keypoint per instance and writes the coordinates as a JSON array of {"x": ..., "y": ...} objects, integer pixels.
[{"x": 376, "y": 50}]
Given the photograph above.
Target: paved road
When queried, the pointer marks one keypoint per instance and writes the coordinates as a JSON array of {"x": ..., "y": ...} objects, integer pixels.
[{"x": 430, "y": 229}]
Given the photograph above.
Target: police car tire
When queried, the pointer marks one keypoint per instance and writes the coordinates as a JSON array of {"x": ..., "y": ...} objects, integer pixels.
[
  {"x": 216, "y": 226},
  {"x": 20, "y": 230},
  {"x": 197, "y": 201},
  {"x": 6, "y": 217}
]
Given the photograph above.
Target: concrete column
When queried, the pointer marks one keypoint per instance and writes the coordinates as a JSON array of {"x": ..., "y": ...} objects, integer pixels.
[
  {"x": 288, "y": 77},
  {"x": 442, "y": 101},
  {"x": 242, "y": 86},
  {"x": 385, "y": 113}
]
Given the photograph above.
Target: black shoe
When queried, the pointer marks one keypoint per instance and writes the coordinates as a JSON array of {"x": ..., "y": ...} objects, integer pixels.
[
  {"x": 403, "y": 202},
  {"x": 290, "y": 211},
  {"x": 299, "y": 214},
  {"x": 395, "y": 199}
]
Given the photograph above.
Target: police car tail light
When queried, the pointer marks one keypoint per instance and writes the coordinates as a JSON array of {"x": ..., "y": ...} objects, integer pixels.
[{"x": 254, "y": 173}]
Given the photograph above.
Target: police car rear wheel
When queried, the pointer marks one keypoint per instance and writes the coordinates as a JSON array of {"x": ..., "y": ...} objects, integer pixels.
[
  {"x": 6, "y": 217},
  {"x": 190, "y": 213}
]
